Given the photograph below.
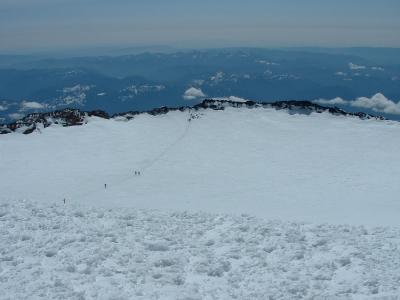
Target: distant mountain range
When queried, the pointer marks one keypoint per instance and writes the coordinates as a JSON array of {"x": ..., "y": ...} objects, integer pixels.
[{"x": 144, "y": 81}]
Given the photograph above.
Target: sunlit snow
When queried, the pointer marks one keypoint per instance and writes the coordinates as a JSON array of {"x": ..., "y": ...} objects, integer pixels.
[{"x": 240, "y": 203}]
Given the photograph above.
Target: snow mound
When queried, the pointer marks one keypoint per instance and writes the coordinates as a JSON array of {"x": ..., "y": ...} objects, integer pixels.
[{"x": 70, "y": 252}]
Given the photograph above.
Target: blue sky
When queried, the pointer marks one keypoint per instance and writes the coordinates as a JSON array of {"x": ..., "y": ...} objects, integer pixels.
[{"x": 41, "y": 24}]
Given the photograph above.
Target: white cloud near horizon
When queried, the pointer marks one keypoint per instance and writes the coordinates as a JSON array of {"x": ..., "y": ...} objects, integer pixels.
[
  {"x": 231, "y": 98},
  {"x": 27, "y": 105},
  {"x": 193, "y": 93},
  {"x": 237, "y": 99},
  {"x": 377, "y": 103},
  {"x": 334, "y": 101}
]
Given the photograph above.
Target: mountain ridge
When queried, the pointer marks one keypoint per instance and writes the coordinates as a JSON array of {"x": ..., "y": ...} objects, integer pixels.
[{"x": 75, "y": 117}]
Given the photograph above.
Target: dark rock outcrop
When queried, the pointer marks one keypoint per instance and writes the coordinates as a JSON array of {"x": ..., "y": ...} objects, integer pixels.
[{"x": 65, "y": 117}]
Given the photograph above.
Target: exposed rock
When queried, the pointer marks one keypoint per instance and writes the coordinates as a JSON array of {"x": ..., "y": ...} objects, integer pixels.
[{"x": 65, "y": 117}]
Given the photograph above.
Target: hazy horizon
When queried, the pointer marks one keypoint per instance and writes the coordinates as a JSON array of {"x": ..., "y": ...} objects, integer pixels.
[{"x": 44, "y": 25}]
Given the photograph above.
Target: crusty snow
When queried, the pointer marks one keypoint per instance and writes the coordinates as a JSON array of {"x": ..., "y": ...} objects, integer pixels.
[
  {"x": 241, "y": 203},
  {"x": 66, "y": 252}
]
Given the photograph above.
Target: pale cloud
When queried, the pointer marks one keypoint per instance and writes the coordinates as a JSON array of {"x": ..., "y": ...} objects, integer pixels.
[
  {"x": 193, "y": 93},
  {"x": 237, "y": 99},
  {"x": 27, "y": 105},
  {"x": 231, "y": 98},
  {"x": 335, "y": 101},
  {"x": 378, "y": 103}
]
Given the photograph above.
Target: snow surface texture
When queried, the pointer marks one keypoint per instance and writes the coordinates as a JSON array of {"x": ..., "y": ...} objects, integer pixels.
[
  {"x": 71, "y": 252},
  {"x": 314, "y": 168}
]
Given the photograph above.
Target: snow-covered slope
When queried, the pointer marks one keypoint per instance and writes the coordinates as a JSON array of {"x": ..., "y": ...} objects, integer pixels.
[
  {"x": 250, "y": 203},
  {"x": 268, "y": 163}
]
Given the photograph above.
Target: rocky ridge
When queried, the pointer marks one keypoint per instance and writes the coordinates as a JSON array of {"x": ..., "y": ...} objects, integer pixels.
[{"x": 74, "y": 117}]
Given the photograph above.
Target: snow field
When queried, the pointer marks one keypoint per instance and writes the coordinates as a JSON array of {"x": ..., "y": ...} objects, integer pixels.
[
  {"x": 71, "y": 252},
  {"x": 199, "y": 221},
  {"x": 316, "y": 168}
]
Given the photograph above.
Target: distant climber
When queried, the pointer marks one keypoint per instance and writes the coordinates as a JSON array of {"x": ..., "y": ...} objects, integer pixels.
[
  {"x": 64, "y": 200},
  {"x": 105, "y": 186}
]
